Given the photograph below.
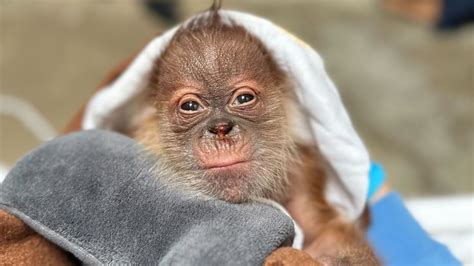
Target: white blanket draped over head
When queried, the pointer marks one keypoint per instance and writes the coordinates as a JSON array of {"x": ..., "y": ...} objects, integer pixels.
[{"x": 329, "y": 123}]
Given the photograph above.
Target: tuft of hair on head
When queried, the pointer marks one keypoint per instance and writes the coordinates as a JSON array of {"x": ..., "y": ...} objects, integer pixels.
[
  {"x": 214, "y": 11},
  {"x": 216, "y": 5},
  {"x": 209, "y": 18}
]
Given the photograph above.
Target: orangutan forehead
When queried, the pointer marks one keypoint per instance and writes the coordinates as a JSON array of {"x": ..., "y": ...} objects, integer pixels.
[{"x": 215, "y": 52}]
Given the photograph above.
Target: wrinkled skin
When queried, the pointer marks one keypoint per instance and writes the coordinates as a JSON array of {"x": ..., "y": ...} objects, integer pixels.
[{"x": 221, "y": 146}]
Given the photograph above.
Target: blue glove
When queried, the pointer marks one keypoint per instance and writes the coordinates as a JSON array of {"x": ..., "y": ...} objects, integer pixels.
[{"x": 396, "y": 236}]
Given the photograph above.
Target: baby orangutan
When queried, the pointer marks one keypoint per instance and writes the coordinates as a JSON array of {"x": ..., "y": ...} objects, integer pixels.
[{"x": 222, "y": 128}]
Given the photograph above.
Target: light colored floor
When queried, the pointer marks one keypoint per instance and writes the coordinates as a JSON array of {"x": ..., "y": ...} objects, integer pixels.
[{"x": 409, "y": 89}]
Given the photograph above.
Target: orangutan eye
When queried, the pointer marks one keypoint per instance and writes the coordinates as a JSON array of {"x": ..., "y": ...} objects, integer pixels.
[
  {"x": 244, "y": 98},
  {"x": 190, "y": 106}
]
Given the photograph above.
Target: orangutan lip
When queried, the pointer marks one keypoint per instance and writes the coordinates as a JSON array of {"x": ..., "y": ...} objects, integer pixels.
[{"x": 224, "y": 165}]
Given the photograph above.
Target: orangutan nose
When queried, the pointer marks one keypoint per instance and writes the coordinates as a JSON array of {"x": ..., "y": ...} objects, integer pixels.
[{"x": 220, "y": 127}]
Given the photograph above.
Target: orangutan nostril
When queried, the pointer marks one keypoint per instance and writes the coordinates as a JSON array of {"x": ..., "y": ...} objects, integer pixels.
[{"x": 220, "y": 127}]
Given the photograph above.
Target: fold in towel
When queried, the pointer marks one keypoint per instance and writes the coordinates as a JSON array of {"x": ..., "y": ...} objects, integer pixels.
[{"x": 94, "y": 194}]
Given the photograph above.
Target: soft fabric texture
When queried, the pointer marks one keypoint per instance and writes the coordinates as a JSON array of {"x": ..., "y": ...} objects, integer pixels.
[
  {"x": 93, "y": 194},
  {"x": 328, "y": 123}
]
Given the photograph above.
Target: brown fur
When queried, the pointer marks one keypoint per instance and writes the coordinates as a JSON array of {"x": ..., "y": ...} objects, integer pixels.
[
  {"x": 288, "y": 256},
  {"x": 328, "y": 236},
  {"x": 19, "y": 245}
]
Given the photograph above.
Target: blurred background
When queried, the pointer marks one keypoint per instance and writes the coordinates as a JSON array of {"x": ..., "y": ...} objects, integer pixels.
[{"x": 408, "y": 85}]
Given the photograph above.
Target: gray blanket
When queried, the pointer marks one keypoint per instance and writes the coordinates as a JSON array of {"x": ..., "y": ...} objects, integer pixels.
[{"x": 92, "y": 194}]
